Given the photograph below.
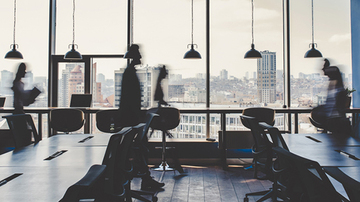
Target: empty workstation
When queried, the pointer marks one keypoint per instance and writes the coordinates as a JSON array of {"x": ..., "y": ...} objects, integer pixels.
[{"x": 183, "y": 100}]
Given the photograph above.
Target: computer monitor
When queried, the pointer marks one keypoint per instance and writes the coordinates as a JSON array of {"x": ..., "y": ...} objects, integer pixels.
[
  {"x": 81, "y": 100},
  {"x": 2, "y": 101}
]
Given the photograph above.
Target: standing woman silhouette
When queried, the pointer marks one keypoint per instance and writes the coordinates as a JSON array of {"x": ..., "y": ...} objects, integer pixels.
[{"x": 21, "y": 96}]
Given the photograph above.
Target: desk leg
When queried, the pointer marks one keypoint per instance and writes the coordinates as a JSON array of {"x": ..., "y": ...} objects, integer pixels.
[{"x": 40, "y": 125}]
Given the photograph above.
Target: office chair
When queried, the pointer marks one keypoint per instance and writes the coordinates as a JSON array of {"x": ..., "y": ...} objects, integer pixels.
[
  {"x": 262, "y": 153},
  {"x": 66, "y": 120},
  {"x": 351, "y": 186},
  {"x": 106, "y": 121},
  {"x": 108, "y": 181},
  {"x": 309, "y": 181},
  {"x": 279, "y": 186},
  {"x": 140, "y": 157},
  {"x": 169, "y": 118},
  {"x": 262, "y": 114},
  {"x": 22, "y": 129}
]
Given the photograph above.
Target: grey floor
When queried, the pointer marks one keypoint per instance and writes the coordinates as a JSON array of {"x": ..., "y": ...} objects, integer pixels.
[{"x": 207, "y": 183}]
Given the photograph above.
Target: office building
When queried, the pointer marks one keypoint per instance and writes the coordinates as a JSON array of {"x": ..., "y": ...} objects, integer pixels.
[
  {"x": 266, "y": 77},
  {"x": 224, "y": 74},
  {"x": 147, "y": 77}
]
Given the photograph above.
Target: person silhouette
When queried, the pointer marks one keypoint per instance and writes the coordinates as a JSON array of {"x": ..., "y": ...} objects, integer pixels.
[
  {"x": 159, "y": 94},
  {"x": 332, "y": 114},
  {"x": 21, "y": 97},
  {"x": 130, "y": 114}
]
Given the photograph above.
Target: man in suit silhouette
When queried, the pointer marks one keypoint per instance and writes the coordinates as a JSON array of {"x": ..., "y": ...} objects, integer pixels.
[{"x": 130, "y": 112}]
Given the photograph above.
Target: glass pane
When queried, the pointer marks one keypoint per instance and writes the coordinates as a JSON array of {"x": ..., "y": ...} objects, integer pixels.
[
  {"x": 99, "y": 27},
  {"x": 238, "y": 82},
  {"x": 31, "y": 35},
  {"x": 163, "y": 30},
  {"x": 71, "y": 81},
  {"x": 106, "y": 85},
  {"x": 308, "y": 83}
]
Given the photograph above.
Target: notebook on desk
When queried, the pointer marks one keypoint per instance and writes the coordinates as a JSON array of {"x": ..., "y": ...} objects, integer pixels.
[{"x": 81, "y": 100}]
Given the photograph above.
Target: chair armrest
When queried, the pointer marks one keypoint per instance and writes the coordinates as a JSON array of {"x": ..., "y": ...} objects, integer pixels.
[{"x": 264, "y": 125}]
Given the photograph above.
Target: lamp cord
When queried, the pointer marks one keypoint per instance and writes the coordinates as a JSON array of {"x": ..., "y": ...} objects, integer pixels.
[
  {"x": 252, "y": 21},
  {"x": 312, "y": 19},
  {"x": 14, "y": 20},
  {"x": 73, "y": 22},
  {"x": 192, "y": 21}
]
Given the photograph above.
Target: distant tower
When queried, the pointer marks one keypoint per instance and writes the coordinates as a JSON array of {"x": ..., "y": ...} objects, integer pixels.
[
  {"x": 266, "y": 77},
  {"x": 223, "y": 74}
]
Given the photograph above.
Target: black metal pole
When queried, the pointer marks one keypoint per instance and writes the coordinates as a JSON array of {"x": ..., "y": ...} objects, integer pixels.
[
  {"x": 52, "y": 34},
  {"x": 207, "y": 67},
  {"x": 129, "y": 31}
]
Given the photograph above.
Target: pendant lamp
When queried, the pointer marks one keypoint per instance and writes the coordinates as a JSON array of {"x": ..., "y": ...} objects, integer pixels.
[
  {"x": 73, "y": 54},
  {"x": 13, "y": 53},
  {"x": 313, "y": 52},
  {"x": 192, "y": 53},
  {"x": 252, "y": 53}
]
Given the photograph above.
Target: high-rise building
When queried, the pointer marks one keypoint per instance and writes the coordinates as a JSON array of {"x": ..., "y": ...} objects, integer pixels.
[
  {"x": 266, "y": 77},
  {"x": 147, "y": 77},
  {"x": 223, "y": 74}
]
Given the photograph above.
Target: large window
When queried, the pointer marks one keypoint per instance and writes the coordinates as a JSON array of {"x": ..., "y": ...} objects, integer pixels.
[
  {"x": 163, "y": 30},
  {"x": 332, "y": 35}
]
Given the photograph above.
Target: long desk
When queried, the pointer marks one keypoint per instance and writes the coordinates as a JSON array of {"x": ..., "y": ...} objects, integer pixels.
[
  {"x": 328, "y": 150},
  {"x": 47, "y": 180}
]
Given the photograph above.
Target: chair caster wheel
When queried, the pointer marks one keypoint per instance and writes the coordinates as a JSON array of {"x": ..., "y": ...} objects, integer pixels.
[
  {"x": 154, "y": 199},
  {"x": 246, "y": 199}
]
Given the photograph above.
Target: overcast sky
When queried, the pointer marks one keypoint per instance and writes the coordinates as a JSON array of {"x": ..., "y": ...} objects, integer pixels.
[{"x": 163, "y": 29}]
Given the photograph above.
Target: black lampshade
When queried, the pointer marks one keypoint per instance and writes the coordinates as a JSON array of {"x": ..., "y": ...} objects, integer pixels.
[
  {"x": 192, "y": 54},
  {"x": 13, "y": 54},
  {"x": 73, "y": 54},
  {"x": 313, "y": 52},
  {"x": 252, "y": 53}
]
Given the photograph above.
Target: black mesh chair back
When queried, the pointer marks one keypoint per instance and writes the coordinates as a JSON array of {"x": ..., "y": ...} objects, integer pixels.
[
  {"x": 261, "y": 149},
  {"x": 107, "y": 122},
  {"x": 106, "y": 182},
  {"x": 276, "y": 137},
  {"x": 314, "y": 185},
  {"x": 117, "y": 160},
  {"x": 66, "y": 120},
  {"x": 262, "y": 114},
  {"x": 22, "y": 129}
]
